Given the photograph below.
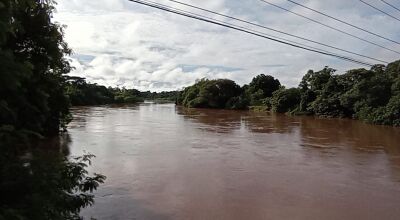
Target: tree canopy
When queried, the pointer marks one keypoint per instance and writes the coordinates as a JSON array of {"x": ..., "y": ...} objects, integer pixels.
[
  {"x": 220, "y": 93},
  {"x": 32, "y": 66},
  {"x": 261, "y": 87}
]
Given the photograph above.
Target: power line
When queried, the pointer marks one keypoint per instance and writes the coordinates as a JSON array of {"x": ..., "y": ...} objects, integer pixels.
[
  {"x": 282, "y": 32},
  {"x": 344, "y": 22},
  {"x": 269, "y": 35},
  {"x": 333, "y": 28},
  {"x": 391, "y": 5},
  {"x": 379, "y": 10},
  {"x": 249, "y": 32}
]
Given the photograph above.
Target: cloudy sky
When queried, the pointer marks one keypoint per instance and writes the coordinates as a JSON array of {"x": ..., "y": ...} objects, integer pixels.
[{"x": 120, "y": 43}]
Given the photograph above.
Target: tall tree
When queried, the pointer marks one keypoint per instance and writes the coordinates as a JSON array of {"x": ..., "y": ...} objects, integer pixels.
[
  {"x": 32, "y": 105},
  {"x": 32, "y": 67},
  {"x": 261, "y": 87}
]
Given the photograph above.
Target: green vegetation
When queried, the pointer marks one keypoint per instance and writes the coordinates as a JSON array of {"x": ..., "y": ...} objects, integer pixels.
[
  {"x": 82, "y": 93},
  {"x": 160, "y": 97},
  {"x": 221, "y": 93},
  {"x": 285, "y": 100},
  {"x": 369, "y": 95},
  {"x": 261, "y": 88},
  {"x": 32, "y": 66},
  {"x": 33, "y": 105}
]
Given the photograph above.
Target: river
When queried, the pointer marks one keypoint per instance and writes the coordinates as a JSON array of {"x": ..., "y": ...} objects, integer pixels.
[{"x": 166, "y": 162}]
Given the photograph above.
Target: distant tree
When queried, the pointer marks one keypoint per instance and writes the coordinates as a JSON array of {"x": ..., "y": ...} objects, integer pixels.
[
  {"x": 311, "y": 87},
  {"x": 370, "y": 89},
  {"x": 315, "y": 81},
  {"x": 220, "y": 93},
  {"x": 261, "y": 87},
  {"x": 328, "y": 102},
  {"x": 285, "y": 100},
  {"x": 375, "y": 96},
  {"x": 393, "y": 69},
  {"x": 81, "y": 93},
  {"x": 127, "y": 96}
]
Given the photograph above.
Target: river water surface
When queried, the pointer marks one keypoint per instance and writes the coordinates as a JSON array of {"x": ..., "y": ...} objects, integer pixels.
[{"x": 165, "y": 162}]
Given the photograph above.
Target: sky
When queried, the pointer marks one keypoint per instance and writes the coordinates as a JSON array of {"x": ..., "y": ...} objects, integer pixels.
[{"x": 124, "y": 44}]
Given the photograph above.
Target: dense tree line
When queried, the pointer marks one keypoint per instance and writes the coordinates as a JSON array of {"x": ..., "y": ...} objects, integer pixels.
[
  {"x": 369, "y": 95},
  {"x": 164, "y": 96},
  {"x": 33, "y": 105},
  {"x": 80, "y": 93}
]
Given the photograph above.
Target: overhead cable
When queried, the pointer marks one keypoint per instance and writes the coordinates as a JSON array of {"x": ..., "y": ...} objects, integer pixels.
[
  {"x": 344, "y": 22},
  {"x": 328, "y": 26},
  {"x": 391, "y": 5},
  {"x": 168, "y": 9},
  {"x": 380, "y": 10},
  {"x": 275, "y": 30}
]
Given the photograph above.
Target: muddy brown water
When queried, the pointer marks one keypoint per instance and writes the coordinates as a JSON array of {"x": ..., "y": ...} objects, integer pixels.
[{"x": 165, "y": 162}]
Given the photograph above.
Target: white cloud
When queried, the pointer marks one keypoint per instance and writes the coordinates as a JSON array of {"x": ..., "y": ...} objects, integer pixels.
[{"x": 120, "y": 43}]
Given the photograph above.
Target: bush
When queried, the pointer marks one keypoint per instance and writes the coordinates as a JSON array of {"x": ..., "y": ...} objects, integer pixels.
[
  {"x": 220, "y": 93},
  {"x": 285, "y": 100}
]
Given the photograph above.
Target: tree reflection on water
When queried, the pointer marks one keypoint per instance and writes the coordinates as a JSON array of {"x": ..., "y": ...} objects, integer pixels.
[{"x": 42, "y": 181}]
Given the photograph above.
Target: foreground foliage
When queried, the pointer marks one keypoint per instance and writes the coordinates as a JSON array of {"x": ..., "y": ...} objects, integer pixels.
[
  {"x": 33, "y": 105},
  {"x": 42, "y": 182},
  {"x": 32, "y": 66}
]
